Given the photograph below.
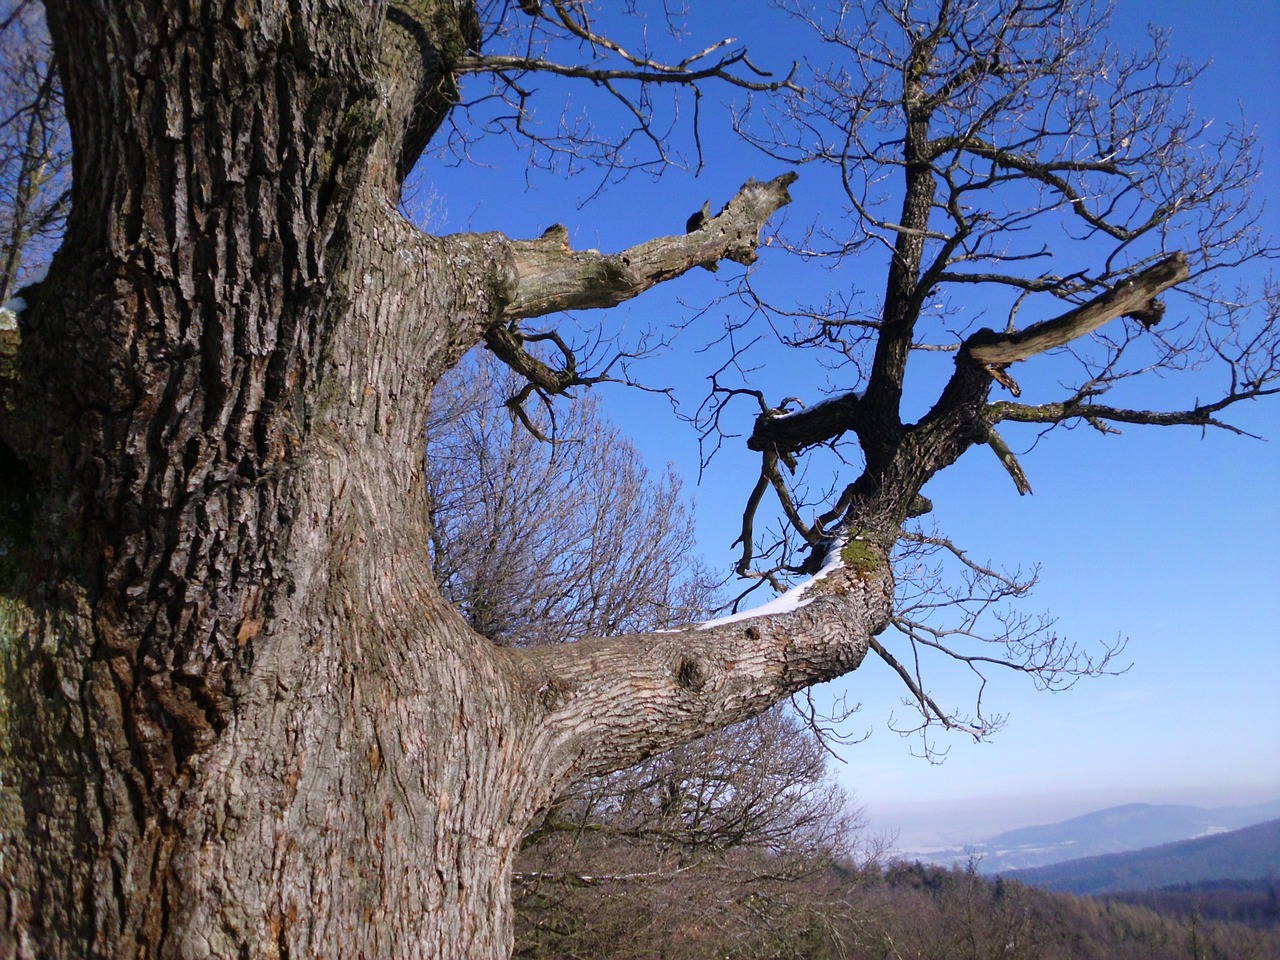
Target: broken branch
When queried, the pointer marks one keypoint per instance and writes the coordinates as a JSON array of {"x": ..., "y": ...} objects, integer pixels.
[
  {"x": 1133, "y": 296},
  {"x": 553, "y": 278}
]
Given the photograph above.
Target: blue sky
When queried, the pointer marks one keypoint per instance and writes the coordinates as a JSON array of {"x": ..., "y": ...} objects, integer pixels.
[{"x": 1157, "y": 536}]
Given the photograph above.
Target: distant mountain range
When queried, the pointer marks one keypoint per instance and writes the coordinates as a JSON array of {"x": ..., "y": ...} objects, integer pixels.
[
  {"x": 1114, "y": 830},
  {"x": 1242, "y": 854}
]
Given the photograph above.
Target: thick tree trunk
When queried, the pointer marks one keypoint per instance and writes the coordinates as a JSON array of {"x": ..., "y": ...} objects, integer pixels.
[{"x": 239, "y": 719}]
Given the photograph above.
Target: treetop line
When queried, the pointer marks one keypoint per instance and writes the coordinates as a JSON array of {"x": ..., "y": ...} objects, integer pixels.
[{"x": 240, "y": 717}]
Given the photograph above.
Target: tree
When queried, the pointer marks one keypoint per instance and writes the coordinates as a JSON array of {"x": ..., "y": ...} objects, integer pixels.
[
  {"x": 719, "y": 846},
  {"x": 240, "y": 717},
  {"x": 543, "y": 542},
  {"x": 1000, "y": 160}
]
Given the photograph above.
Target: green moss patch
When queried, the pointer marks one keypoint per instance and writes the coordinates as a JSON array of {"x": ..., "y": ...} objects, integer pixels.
[{"x": 858, "y": 556}]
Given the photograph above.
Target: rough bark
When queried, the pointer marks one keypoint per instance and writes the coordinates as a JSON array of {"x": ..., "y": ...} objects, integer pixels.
[{"x": 239, "y": 719}]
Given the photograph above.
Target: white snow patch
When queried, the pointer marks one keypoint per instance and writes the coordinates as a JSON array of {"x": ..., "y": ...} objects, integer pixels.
[
  {"x": 819, "y": 404},
  {"x": 788, "y": 602},
  {"x": 9, "y": 312}
]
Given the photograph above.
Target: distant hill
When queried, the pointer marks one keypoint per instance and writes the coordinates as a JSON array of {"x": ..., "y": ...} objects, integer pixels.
[
  {"x": 1238, "y": 855},
  {"x": 1114, "y": 830}
]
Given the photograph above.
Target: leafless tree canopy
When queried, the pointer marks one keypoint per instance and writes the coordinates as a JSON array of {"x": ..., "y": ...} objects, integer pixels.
[
  {"x": 717, "y": 846},
  {"x": 995, "y": 160},
  {"x": 547, "y": 541}
]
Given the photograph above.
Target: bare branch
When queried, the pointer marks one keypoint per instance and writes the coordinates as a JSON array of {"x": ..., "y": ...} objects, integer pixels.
[
  {"x": 1135, "y": 295},
  {"x": 1198, "y": 416},
  {"x": 926, "y": 702},
  {"x": 552, "y": 278},
  {"x": 649, "y": 72},
  {"x": 556, "y": 48},
  {"x": 1008, "y": 461}
]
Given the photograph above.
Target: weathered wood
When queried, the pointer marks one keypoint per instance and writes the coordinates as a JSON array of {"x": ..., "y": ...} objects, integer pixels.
[
  {"x": 552, "y": 278},
  {"x": 239, "y": 719},
  {"x": 1134, "y": 295}
]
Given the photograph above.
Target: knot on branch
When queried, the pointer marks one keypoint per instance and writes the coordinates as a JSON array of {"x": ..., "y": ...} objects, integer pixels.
[
  {"x": 1149, "y": 314},
  {"x": 695, "y": 669},
  {"x": 555, "y": 693},
  {"x": 689, "y": 674}
]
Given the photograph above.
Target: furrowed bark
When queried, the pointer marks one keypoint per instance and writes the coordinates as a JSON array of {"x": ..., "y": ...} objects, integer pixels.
[{"x": 239, "y": 720}]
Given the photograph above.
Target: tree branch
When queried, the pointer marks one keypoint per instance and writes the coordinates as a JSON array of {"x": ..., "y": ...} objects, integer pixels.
[
  {"x": 687, "y": 682},
  {"x": 792, "y": 432},
  {"x": 1008, "y": 461},
  {"x": 571, "y": 20},
  {"x": 928, "y": 707},
  {"x": 1133, "y": 296},
  {"x": 1198, "y": 416},
  {"x": 553, "y": 278},
  {"x": 651, "y": 72}
]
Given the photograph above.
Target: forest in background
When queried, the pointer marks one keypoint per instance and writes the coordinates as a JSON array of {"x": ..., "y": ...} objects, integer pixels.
[{"x": 909, "y": 911}]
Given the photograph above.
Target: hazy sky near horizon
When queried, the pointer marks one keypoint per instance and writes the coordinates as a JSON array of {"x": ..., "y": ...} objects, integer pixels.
[{"x": 1158, "y": 536}]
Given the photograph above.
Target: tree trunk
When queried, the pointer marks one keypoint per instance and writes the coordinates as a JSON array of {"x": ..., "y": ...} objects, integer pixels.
[{"x": 239, "y": 719}]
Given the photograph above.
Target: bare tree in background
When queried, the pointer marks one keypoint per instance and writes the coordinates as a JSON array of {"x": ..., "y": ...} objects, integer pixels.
[
  {"x": 35, "y": 150},
  {"x": 549, "y": 541},
  {"x": 720, "y": 847},
  {"x": 239, "y": 716}
]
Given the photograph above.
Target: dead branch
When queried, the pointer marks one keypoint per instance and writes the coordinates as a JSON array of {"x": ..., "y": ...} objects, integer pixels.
[
  {"x": 552, "y": 278},
  {"x": 1133, "y": 295}
]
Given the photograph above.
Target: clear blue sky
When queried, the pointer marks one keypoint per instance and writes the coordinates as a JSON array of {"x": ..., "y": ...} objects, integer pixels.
[{"x": 1158, "y": 536}]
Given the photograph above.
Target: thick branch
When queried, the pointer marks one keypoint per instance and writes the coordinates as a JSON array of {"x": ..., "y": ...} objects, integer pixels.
[
  {"x": 612, "y": 702},
  {"x": 792, "y": 432},
  {"x": 553, "y": 278},
  {"x": 1134, "y": 295},
  {"x": 420, "y": 53}
]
